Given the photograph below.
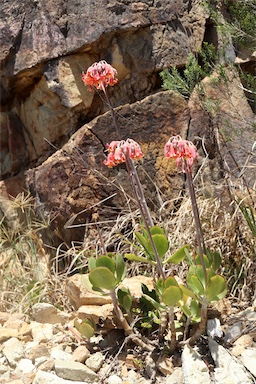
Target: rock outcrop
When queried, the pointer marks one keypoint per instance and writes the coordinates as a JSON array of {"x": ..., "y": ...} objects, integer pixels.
[
  {"x": 46, "y": 45},
  {"x": 54, "y": 130}
]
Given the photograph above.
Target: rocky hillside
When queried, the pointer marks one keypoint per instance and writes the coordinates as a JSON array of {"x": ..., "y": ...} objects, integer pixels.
[{"x": 54, "y": 130}]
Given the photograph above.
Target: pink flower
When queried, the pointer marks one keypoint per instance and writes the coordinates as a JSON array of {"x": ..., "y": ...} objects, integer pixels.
[
  {"x": 183, "y": 151},
  {"x": 100, "y": 75},
  {"x": 119, "y": 150}
]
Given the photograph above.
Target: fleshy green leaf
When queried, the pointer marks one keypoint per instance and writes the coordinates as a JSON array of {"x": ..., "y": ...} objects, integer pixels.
[
  {"x": 195, "y": 285},
  {"x": 172, "y": 295},
  {"x": 120, "y": 268},
  {"x": 160, "y": 286},
  {"x": 215, "y": 288},
  {"x": 188, "y": 292},
  {"x": 132, "y": 257},
  {"x": 216, "y": 261},
  {"x": 210, "y": 274},
  {"x": 142, "y": 240},
  {"x": 207, "y": 262},
  {"x": 102, "y": 277},
  {"x": 127, "y": 303},
  {"x": 161, "y": 244},
  {"x": 200, "y": 274},
  {"x": 178, "y": 256},
  {"x": 186, "y": 310},
  {"x": 106, "y": 261},
  {"x": 91, "y": 263},
  {"x": 194, "y": 307},
  {"x": 170, "y": 281},
  {"x": 86, "y": 329},
  {"x": 154, "y": 230},
  {"x": 124, "y": 298}
]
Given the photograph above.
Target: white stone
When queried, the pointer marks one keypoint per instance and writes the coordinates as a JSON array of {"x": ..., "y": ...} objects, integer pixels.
[
  {"x": 25, "y": 366},
  {"x": 81, "y": 353},
  {"x": 58, "y": 354},
  {"x": 193, "y": 367},
  {"x": 227, "y": 370},
  {"x": 13, "y": 351},
  {"x": 114, "y": 379},
  {"x": 176, "y": 377},
  {"x": 95, "y": 361},
  {"x": 72, "y": 370},
  {"x": 49, "y": 378},
  {"x": 41, "y": 332},
  {"x": 248, "y": 358},
  {"x": 3, "y": 369}
]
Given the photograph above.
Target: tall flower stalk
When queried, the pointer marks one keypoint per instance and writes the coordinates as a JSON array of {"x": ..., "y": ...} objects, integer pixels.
[
  {"x": 185, "y": 154},
  {"x": 99, "y": 76}
]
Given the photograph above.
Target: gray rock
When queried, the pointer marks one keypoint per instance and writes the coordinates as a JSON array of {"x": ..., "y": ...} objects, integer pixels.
[
  {"x": 72, "y": 370},
  {"x": 13, "y": 351},
  {"x": 213, "y": 328},
  {"x": 193, "y": 367},
  {"x": 49, "y": 378},
  {"x": 234, "y": 332},
  {"x": 227, "y": 370}
]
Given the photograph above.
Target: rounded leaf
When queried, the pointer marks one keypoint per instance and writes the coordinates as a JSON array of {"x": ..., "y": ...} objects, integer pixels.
[
  {"x": 172, "y": 295},
  {"x": 216, "y": 288},
  {"x": 102, "y": 277},
  {"x": 161, "y": 244},
  {"x": 155, "y": 229},
  {"x": 106, "y": 261},
  {"x": 170, "y": 281},
  {"x": 86, "y": 329},
  {"x": 91, "y": 263}
]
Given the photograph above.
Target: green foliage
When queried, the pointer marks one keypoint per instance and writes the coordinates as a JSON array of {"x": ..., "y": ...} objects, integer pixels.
[
  {"x": 125, "y": 298},
  {"x": 211, "y": 290},
  {"x": 243, "y": 21},
  {"x": 86, "y": 327},
  {"x": 249, "y": 216},
  {"x": 161, "y": 243},
  {"x": 212, "y": 260},
  {"x": 178, "y": 256},
  {"x": 106, "y": 272},
  {"x": 196, "y": 69}
]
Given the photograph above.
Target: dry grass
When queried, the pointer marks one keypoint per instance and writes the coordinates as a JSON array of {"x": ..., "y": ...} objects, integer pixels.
[{"x": 27, "y": 278}]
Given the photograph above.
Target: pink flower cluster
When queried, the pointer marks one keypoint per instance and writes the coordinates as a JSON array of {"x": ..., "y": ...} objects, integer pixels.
[
  {"x": 183, "y": 151},
  {"x": 100, "y": 75},
  {"x": 119, "y": 150}
]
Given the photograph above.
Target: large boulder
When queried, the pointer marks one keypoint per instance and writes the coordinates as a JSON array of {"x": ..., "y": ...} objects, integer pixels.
[
  {"x": 74, "y": 179},
  {"x": 46, "y": 45}
]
